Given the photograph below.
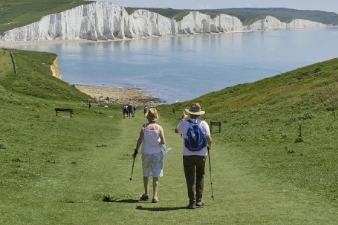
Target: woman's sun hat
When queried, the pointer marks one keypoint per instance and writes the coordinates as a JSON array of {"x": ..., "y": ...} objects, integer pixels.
[
  {"x": 195, "y": 109},
  {"x": 152, "y": 114}
]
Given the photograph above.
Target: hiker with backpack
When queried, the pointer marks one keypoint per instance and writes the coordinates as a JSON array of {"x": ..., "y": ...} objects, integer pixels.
[
  {"x": 152, "y": 138},
  {"x": 196, "y": 143}
]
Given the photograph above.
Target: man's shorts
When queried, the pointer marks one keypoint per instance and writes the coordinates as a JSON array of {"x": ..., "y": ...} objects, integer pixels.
[{"x": 152, "y": 165}]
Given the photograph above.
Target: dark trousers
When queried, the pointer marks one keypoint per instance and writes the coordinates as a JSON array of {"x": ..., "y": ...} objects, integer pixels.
[{"x": 194, "y": 167}]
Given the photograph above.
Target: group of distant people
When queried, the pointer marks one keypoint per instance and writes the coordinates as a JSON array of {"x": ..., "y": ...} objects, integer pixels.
[{"x": 128, "y": 110}]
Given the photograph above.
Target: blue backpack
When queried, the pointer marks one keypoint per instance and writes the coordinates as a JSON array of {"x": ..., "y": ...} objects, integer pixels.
[{"x": 195, "y": 140}]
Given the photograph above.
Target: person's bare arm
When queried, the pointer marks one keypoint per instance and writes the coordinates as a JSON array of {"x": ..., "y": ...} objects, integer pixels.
[
  {"x": 184, "y": 117},
  {"x": 139, "y": 142},
  {"x": 162, "y": 136},
  {"x": 209, "y": 141}
]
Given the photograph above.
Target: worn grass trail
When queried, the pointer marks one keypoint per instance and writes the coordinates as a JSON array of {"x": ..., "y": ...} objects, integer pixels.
[
  {"x": 241, "y": 197},
  {"x": 91, "y": 186}
]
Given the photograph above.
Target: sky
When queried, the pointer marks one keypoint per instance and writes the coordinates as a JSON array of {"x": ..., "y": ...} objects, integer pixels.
[{"x": 323, "y": 5}]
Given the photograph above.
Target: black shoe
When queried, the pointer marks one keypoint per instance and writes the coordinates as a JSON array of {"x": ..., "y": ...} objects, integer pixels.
[
  {"x": 144, "y": 197},
  {"x": 192, "y": 205}
]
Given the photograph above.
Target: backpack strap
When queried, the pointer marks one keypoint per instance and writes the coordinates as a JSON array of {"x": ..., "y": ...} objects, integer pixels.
[{"x": 196, "y": 122}]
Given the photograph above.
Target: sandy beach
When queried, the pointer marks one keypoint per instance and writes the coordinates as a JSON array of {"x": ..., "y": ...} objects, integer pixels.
[{"x": 118, "y": 95}]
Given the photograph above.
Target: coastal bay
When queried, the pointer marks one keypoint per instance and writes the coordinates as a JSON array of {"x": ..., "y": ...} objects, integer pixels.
[{"x": 164, "y": 67}]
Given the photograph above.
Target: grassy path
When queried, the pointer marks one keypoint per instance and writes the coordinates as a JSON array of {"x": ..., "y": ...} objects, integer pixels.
[{"x": 91, "y": 186}]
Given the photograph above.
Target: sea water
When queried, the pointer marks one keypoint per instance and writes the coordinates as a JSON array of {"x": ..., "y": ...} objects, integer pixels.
[{"x": 182, "y": 68}]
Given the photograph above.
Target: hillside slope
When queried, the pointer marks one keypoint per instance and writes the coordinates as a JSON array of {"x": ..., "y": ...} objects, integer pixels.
[
  {"x": 313, "y": 88},
  {"x": 31, "y": 75},
  {"x": 285, "y": 126}
]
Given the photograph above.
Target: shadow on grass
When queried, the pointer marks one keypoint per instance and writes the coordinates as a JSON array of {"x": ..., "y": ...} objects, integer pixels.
[
  {"x": 121, "y": 201},
  {"x": 159, "y": 208},
  {"x": 108, "y": 198}
]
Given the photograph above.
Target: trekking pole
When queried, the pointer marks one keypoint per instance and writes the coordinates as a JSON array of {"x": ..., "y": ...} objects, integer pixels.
[
  {"x": 132, "y": 168},
  {"x": 212, "y": 190}
]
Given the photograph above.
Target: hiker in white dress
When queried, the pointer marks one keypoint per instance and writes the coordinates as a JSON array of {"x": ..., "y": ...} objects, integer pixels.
[{"x": 151, "y": 138}]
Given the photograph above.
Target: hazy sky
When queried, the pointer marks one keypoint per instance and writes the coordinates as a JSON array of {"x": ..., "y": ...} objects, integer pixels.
[{"x": 324, "y": 5}]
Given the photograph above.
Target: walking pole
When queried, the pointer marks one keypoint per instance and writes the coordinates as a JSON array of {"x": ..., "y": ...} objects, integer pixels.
[
  {"x": 212, "y": 190},
  {"x": 132, "y": 168}
]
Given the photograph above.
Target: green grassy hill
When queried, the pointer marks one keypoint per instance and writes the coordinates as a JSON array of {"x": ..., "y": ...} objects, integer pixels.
[
  {"x": 32, "y": 76},
  {"x": 275, "y": 161},
  {"x": 285, "y": 126}
]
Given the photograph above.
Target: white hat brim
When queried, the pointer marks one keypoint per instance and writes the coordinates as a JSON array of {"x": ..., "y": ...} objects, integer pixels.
[{"x": 195, "y": 113}]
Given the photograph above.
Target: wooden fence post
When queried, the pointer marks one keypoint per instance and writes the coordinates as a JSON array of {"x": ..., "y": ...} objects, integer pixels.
[
  {"x": 14, "y": 63},
  {"x": 219, "y": 124}
]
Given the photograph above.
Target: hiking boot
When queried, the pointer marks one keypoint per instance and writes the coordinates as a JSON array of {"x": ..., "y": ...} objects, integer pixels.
[
  {"x": 199, "y": 203},
  {"x": 192, "y": 205},
  {"x": 144, "y": 197},
  {"x": 155, "y": 200}
]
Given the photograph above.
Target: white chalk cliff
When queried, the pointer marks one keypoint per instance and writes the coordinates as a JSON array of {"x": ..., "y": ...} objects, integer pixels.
[
  {"x": 272, "y": 23},
  {"x": 107, "y": 21}
]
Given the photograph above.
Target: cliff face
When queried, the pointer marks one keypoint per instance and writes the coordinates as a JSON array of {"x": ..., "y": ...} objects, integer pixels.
[
  {"x": 197, "y": 22},
  {"x": 226, "y": 23},
  {"x": 106, "y": 21},
  {"x": 272, "y": 23},
  {"x": 298, "y": 24},
  {"x": 269, "y": 23},
  {"x": 143, "y": 23}
]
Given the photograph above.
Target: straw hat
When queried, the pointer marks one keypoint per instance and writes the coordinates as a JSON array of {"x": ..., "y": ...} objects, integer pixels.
[
  {"x": 152, "y": 114},
  {"x": 195, "y": 109}
]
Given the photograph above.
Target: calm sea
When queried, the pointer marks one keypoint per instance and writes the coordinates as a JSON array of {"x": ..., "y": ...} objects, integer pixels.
[{"x": 182, "y": 68}]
